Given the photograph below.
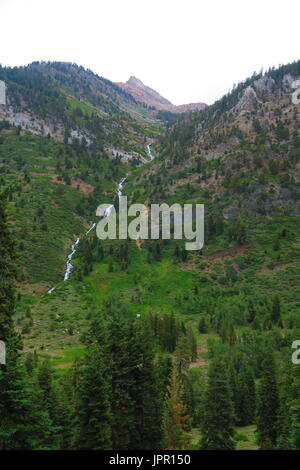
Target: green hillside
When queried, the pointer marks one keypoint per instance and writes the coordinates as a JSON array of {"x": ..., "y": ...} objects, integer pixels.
[{"x": 148, "y": 345}]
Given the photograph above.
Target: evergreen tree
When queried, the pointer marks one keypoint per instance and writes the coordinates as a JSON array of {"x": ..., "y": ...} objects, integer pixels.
[
  {"x": 267, "y": 405},
  {"x": 146, "y": 392},
  {"x": 48, "y": 393},
  {"x": 202, "y": 325},
  {"x": 218, "y": 417},
  {"x": 294, "y": 407},
  {"x": 242, "y": 385},
  {"x": 66, "y": 410},
  {"x": 276, "y": 311},
  {"x": 284, "y": 411},
  {"x": 182, "y": 354},
  {"x": 7, "y": 273},
  {"x": 94, "y": 403},
  {"x": 245, "y": 397},
  {"x": 23, "y": 423},
  {"x": 122, "y": 377},
  {"x": 29, "y": 363},
  {"x": 193, "y": 389},
  {"x": 251, "y": 311},
  {"x": 174, "y": 420}
]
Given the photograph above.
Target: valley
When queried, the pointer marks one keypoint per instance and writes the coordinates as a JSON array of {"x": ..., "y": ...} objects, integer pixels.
[{"x": 141, "y": 344}]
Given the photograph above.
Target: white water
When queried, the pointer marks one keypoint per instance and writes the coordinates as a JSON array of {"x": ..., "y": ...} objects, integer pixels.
[
  {"x": 120, "y": 187},
  {"x": 149, "y": 152},
  {"x": 89, "y": 230},
  {"x": 69, "y": 265},
  {"x": 107, "y": 212},
  {"x": 119, "y": 192}
]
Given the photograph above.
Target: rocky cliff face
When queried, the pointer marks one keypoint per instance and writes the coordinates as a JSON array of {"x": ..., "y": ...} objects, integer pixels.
[
  {"x": 68, "y": 103},
  {"x": 146, "y": 94},
  {"x": 242, "y": 153},
  {"x": 151, "y": 98}
]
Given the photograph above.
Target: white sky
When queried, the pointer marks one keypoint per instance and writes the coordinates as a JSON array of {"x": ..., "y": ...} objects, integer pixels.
[{"x": 188, "y": 50}]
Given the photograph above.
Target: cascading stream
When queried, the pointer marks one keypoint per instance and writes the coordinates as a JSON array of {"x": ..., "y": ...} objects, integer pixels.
[
  {"x": 69, "y": 265},
  {"x": 149, "y": 152},
  {"x": 107, "y": 212}
]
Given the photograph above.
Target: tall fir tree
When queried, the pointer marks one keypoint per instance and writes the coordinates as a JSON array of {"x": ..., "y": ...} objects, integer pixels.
[
  {"x": 48, "y": 391},
  {"x": 66, "y": 410},
  {"x": 267, "y": 405},
  {"x": 7, "y": 273},
  {"x": 24, "y": 425},
  {"x": 242, "y": 383},
  {"x": 294, "y": 407},
  {"x": 218, "y": 415},
  {"x": 122, "y": 379},
  {"x": 246, "y": 398},
  {"x": 94, "y": 403},
  {"x": 285, "y": 399},
  {"x": 174, "y": 421},
  {"x": 146, "y": 392}
]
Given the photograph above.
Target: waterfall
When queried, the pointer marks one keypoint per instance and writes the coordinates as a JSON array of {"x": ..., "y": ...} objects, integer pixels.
[
  {"x": 107, "y": 212},
  {"x": 149, "y": 152},
  {"x": 69, "y": 266}
]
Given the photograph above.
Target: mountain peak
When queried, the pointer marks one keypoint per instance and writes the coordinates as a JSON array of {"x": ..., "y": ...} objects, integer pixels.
[
  {"x": 135, "y": 81},
  {"x": 150, "y": 97}
]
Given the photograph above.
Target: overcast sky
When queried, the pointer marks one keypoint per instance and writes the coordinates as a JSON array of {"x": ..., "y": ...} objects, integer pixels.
[{"x": 188, "y": 50}]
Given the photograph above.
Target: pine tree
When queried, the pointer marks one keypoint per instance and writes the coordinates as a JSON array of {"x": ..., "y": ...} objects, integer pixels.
[
  {"x": 174, "y": 421},
  {"x": 245, "y": 397},
  {"x": 294, "y": 408},
  {"x": 251, "y": 312},
  {"x": 218, "y": 417},
  {"x": 29, "y": 363},
  {"x": 136, "y": 382},
  {"x": 7, "y": 273},
  {"x": 94, "y": 403},
  {"x": 193, "y": 388},
  {"x": 182, "y": 354},
  {"x": 284, "y": 411},
  {"x": 66, "y": 410},
  {"x": 267, "y": 405},
  {"x": 122, "y": 377},
  {"x": 192, "y": 344},
  {"x": 24, "y": 425},
  {"x": 276, "y": 311},
  {"x": 239, "y": 231},
  {"x": 48, "y": 394},
  {"x": 202, "y": 325},
  {"x": 146, "y": 392}
]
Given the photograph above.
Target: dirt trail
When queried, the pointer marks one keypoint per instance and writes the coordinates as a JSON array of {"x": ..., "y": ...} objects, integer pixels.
[{"x": 219, "y": 256}]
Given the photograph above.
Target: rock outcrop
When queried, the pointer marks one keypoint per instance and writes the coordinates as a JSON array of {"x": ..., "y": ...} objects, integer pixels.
[{"x": 152, "y": 98}]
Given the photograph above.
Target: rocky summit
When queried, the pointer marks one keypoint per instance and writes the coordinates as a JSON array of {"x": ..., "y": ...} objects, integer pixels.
[{"x": 152, "y": 98}]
